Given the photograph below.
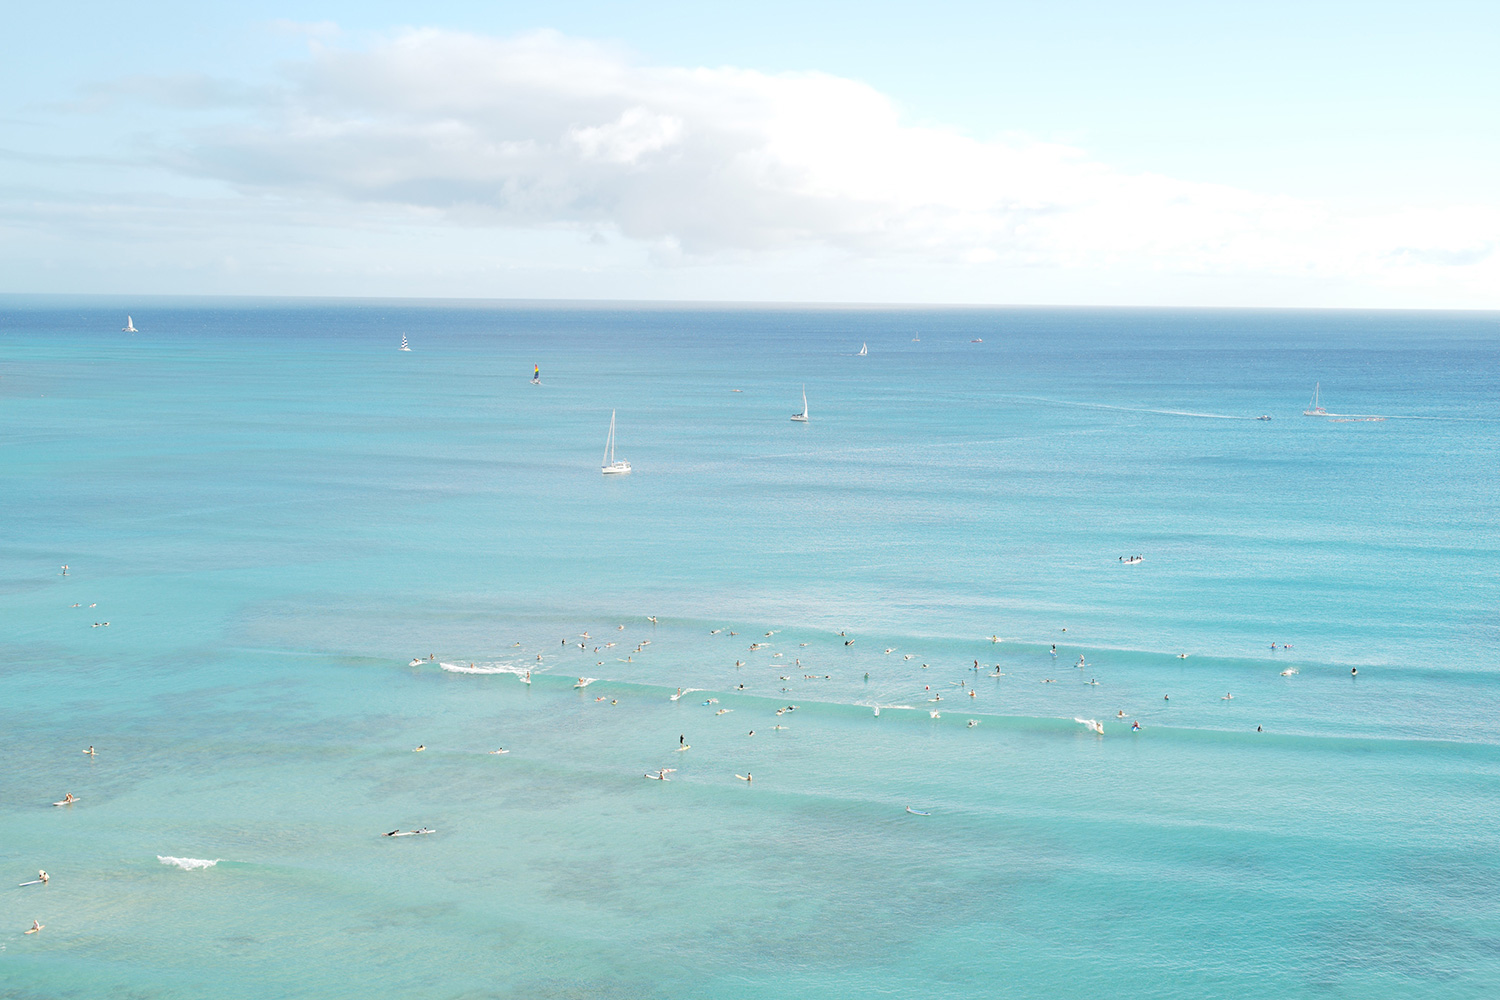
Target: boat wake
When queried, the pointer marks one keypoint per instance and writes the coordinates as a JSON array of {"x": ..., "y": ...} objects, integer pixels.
[
  {"x": 1135, "y": 409},
  {"x": 188, "y": 864}
]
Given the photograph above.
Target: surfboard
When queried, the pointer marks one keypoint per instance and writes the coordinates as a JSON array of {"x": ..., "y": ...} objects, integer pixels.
[
  {"x": 411, "y": 833},
  {"x": 33, "y": 930},
  {"x": 65, "y": 802},
  {"x": 35, "y": 881},
  {"x": 917, "y": 812},
  {"x": 742, "y": 777},
  {"x": 680, "y": 749}
]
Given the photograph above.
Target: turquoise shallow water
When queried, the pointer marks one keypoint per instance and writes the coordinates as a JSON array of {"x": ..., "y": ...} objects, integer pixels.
[{"x": 275, "y": 511}]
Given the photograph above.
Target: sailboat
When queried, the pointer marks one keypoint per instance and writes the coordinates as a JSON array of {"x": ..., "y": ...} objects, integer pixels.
[
  {"x": 129, "y": 326},
  {"x": 613, "y": 467},
  {"x": 536, "y": 376},
  {"x": 404, "y": 345},
  {"x": 802, "y": 417},
  {"x": 1315, "y": 409},
  {"x": 864, "y": 349}
]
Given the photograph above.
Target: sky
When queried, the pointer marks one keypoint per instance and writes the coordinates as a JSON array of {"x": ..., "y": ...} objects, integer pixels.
[{"x": 1078, "y": 153}]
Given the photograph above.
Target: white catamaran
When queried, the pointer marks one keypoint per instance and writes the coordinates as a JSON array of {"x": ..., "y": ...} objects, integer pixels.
[
  {"x": 802, "y": 417},
  {"x": 612, "y": 467},
  {"x": 1315, "y": 409},
  {"x": 129, "y": 326},
  {"x": 404, "y": 345}
]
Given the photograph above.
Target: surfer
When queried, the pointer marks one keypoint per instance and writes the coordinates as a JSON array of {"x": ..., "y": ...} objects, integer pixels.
[
  {"x": 43, "y": 877},
  {"x": 393, "y": 832},
  {"x": 420, "y": 748},
  {"x": 747, "y": 777},
  {"x": 67, "y": 800},
  {"x": 1353, "y": 671},
  {"x": 36, "y": 926},
  {"x": 90, "y": 751}
]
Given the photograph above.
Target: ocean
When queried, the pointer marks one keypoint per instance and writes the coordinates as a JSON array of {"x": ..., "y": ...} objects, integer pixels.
[{"x": 278, "y": 514}]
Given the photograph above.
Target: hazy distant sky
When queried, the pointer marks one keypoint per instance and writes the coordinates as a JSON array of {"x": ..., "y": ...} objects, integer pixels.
[{"x": 1340, "y": 154}]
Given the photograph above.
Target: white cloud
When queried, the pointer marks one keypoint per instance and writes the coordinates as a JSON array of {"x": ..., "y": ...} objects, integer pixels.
[{"x": 720, "y": 164}]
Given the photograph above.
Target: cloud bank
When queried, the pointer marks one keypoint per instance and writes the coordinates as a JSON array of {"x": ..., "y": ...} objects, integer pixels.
[{"x": 727, "y": 166}]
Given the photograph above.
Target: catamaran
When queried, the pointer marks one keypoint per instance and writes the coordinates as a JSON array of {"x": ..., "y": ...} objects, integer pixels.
[
  {"x": 404, "y": 345},
  {"x": 536, "y": 376},
  {"x": 129, "y": 326},
  {"x": 802, "y": 417},
  {"x": 613, "y": 467},
  {"x": 864, "y": 349},
  {"x": 1314, "y": 409}
]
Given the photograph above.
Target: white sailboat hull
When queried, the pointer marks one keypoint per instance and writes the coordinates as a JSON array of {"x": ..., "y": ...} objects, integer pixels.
[{"x": 612, "y": 466}]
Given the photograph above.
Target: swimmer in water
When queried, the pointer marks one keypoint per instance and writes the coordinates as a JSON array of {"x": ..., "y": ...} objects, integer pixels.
[
  {"x": 1353, "y": 671},
  {"x": 43, "y": 877}
]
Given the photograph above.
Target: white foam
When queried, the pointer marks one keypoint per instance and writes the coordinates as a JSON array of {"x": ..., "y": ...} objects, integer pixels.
[
  {"x": 188, "y": 864},
  {"x": 485, "y": 668},
  {"x": 584, "y": 682}
]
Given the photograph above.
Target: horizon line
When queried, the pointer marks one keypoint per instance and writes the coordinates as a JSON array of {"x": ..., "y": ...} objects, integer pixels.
[{"x": 479, "y": 301}]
